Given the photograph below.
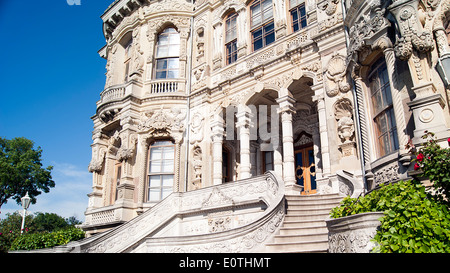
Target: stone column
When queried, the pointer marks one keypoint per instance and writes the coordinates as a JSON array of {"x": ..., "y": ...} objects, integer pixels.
[
  {"x": 217, "y": 138},
  {"x": 142, "y": 156},
  {"x": 243, "y": 125},
  {"x": 397, "y": 101},
  {"x": 287, "y": 109},
  {"x": 323, "y": 133},
  {"x": 278, "y": 161},
  {"x": 363, "y": 127}
]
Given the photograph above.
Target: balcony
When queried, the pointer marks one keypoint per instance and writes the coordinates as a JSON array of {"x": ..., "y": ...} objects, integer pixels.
[{"x": 165, "y": 86}]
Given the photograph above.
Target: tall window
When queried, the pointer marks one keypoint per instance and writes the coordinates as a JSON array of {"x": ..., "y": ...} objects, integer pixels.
[
  {"x": 167, "y": 54},
  {"x": 231, "y": 37},
  {"x": 128, "y": 58},
  {"x": 262, "y": 26},
  {"x": 118, "y": 176},
  {"x": 386, "y": 127},
  {"x": 298, "y": 14},
  {"x": 161, "y": 170}
]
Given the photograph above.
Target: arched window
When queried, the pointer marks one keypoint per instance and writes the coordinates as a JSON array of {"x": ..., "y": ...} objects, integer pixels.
[
  {"x": 231, "y": 37},
  {"x": 167, "y": 54},
  {"x": 160, "y": 170},
  {"x": 383, "y": 112},
  {"x": 262, "y": 26},
  {"x": 298, "y": 14}
]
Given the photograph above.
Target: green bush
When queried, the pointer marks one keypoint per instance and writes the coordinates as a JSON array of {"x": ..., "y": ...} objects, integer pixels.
[
  {"x": 47, "y": 240},
  {"x": 414, "y": 221}
]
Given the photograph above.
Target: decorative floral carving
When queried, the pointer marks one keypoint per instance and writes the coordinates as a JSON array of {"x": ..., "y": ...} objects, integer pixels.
[{"x": 387, "y": 174}]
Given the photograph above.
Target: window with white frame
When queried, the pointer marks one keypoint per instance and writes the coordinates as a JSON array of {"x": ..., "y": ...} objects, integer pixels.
[
  {"x": 128, "y": 53},
  {"x": 161, "y": 170},
  {"x": 231, "y": 37},
  {"x": 298, "y": 14},
  {"x": 262, "y": 23},
  {"x": 168, "y": 54}
]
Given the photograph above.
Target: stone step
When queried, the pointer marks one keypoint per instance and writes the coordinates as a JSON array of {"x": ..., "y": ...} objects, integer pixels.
[
  {"x": 301, "y": 237},
  {"x": 312, "y": 206},
  {"x": 299, "y": 212},
  {"x": 312, "y": 197},
  {"x": 304, "y": 223},
  {"x": 308, "y": 201},
  {"x": 315, "y": 216},
  {"x": 306, "y": 246},
  {"x": 303, "y": 230}
]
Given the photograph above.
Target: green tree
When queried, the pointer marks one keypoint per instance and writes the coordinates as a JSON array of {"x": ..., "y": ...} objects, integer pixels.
[
  {"x": 48, "y": 222},
  {"x": 21, "y": 171}
]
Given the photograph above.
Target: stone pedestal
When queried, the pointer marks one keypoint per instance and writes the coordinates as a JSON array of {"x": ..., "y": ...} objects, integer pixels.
[{"x": 428, "y": 115}]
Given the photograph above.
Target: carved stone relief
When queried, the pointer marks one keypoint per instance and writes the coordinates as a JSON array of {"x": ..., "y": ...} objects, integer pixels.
[
  {"x": 336, "y": 76},
  {"x": 387, "y": 174},
  {"x": 197, "y": 164},
  {"x": 343, "y": 112},
  {"x": 98, "y": 157},
  {"x": 163, "y": 123},
  {"x": 196, "y": 125}
]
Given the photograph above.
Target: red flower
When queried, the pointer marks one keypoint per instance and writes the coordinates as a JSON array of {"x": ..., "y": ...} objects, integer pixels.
[
  {"x": 448, "y": 140},
  {"x": 420, "y": 157},
  {"x": 416, "y": 167}
]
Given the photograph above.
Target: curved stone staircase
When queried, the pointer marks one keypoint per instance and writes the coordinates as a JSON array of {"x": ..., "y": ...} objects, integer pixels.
[
  {"x": 252, "y": 215},
  {"x": 304, "y": 228}
]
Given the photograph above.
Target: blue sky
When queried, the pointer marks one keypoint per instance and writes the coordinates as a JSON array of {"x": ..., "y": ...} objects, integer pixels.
[{"x": 50, "y": 80}]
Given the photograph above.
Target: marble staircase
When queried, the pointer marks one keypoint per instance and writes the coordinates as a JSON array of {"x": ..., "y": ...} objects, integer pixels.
[{"x": 304, "y": 228}]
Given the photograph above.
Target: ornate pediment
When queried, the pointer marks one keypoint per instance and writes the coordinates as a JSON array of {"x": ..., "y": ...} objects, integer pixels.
[{"x": 163, "y": 122}]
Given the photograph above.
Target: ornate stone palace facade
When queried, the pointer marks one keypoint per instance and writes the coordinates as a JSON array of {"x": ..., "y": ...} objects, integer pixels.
[{"x": 214, "y": 111}]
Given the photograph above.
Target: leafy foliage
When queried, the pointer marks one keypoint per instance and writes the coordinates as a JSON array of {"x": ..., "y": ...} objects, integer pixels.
[
  {"x": 39, "y": 223},
  {"x": 21, "y": 171},
  {"x": 41, "y": 240},
  {"x": 414, "y": 221}
]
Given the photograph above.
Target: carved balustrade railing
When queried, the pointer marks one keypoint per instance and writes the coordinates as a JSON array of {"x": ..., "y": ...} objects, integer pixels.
[
  {"x": 165, "y": 86},
  {"x": 112, "y": 93}
]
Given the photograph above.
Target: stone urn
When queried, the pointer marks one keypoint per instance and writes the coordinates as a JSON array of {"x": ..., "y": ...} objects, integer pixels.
[{"x": 353, "y": 234}]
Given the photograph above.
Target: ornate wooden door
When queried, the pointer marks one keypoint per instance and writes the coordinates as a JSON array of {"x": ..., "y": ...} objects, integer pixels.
[{"x": 305, "y": 170}]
